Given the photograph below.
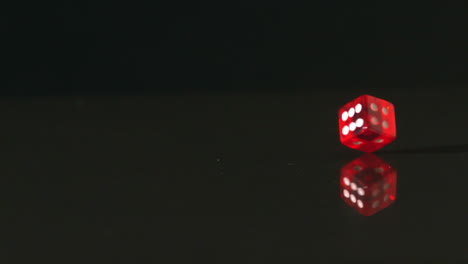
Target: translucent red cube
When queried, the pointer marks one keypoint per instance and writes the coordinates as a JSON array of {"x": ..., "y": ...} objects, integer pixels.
[
  {"x": 367, "y": 123},
  {"x": 368, "y": 184}
]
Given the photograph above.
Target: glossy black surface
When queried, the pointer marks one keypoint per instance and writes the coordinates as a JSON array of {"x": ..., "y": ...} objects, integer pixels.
[
  {"x": 230, "y": 152},
  {"x": 251, "y": 178}
]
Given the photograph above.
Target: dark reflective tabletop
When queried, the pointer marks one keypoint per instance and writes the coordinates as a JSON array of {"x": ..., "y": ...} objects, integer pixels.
[{"x": 231, "y": 178}]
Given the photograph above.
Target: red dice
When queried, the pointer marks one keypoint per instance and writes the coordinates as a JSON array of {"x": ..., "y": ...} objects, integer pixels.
[
  {"x": 368, "y": 184},
  {"x": 367, "y": 123}
]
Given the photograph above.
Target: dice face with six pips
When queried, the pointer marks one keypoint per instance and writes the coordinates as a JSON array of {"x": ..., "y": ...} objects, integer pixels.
[
  {"x": 367, "y": 123},
  {"x": 368, "y": 184}
]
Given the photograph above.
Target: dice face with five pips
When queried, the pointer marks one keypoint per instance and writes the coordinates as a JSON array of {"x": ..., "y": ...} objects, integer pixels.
[{"x": 367, "y": 123}]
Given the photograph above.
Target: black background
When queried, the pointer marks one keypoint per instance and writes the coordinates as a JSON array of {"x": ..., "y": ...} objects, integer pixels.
[
  {"x": 206, "y": 132},
  {"x": 150, "y": 47}
]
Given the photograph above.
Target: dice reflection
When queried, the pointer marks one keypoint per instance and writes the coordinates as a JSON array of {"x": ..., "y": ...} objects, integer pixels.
[{"x": 368, "y": 184}]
